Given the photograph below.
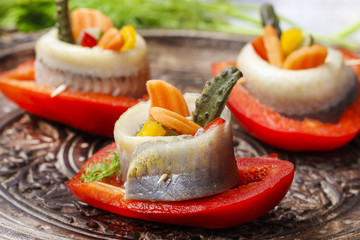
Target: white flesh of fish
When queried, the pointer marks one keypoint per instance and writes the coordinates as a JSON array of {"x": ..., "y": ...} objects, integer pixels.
[
  {"x": 296, "y": 92},
  {"x": 91, "y": 69}
]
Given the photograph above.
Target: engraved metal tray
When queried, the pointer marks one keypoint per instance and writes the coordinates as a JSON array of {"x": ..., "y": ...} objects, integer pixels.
[{"x": 38, "y": 156}]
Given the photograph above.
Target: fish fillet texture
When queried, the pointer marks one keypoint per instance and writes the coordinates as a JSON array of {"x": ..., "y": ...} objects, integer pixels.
[
  {"x": 174, "y": 168},
  {"x": 298, "y": 92},
  {"x": 91, "y": 69}
]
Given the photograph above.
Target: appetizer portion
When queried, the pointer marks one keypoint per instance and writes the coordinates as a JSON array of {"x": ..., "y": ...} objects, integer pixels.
[
  {"x": 86, "y": 72},
  {"x": 173, "y": 161},
  {"x": 263, "y": 183},
  {"x": 308, "y": 89},
  {"x": 175, "y": 167},
  {"x": 181, "y": 162},
  {"x": 320, "y": 93},
  {"x": 105, "y": 60},
  {"x": 94, "y": 70},
  {"x": 298, "y": 79}
]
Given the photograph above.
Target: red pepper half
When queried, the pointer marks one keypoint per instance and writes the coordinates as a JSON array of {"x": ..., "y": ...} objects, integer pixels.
[
  {"x": 286, "y": 133},
  {"x": 263, "y": 182},
  {"x": 93, "y": 113}
]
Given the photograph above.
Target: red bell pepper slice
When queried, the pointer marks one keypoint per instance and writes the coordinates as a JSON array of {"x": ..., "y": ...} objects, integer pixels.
[
  {"x": 24, "y": 71},
  {"x": 88, "y": 41},
  {"x": 263, "y": 183},
  {"x": 93, "y": 113},
  {"x": 215, "y": 122},
  {"x": 259, "y": 47},
  {"x": 289, "y": 134}
]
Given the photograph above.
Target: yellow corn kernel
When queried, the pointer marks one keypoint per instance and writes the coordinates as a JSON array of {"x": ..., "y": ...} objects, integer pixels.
[
  {"x": 129, "y": 34},
  {"x": 151, "y": 129},
  {"x": 290, "y": 40}
]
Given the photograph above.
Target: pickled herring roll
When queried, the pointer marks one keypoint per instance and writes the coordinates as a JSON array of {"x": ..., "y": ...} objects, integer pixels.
[
  {"x": 321, "y": 93},
  {"x": 93, "y": 69},
  {"x": 172, "y": 156},
  {"x": 174, "y": 167},
  {"x": 86, "y": 53},
  {"x": 290, "y": 74}
]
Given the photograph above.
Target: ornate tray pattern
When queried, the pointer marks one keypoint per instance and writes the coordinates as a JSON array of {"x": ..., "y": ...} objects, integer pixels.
[{"x": 37, "y": 157}]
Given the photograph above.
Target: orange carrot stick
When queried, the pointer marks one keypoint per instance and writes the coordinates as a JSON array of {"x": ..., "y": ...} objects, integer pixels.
[
  {"x": 82, "y": 18},
  {"x": 306, "y": 57},
  {"x": 165, "y": 95},
  {"x": 112, "y": 39},
  {"x": 173, "y": 120},
  {"x": 273, "y": 47}
]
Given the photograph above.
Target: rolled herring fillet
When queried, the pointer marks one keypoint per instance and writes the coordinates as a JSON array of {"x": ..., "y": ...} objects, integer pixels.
[
  {"x": 299, "y": 93},
  {"x": 174, "y": 168},
  {"x": 91, "y": 69}
]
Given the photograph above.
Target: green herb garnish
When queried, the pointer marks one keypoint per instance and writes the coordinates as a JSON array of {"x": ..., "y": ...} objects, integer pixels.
[{"x": 96, "y": 172}]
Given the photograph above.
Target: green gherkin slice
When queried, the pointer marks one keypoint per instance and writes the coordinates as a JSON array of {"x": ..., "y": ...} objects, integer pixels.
[
  {"x": 212, "y": 101},
  {"x": 63, "y": 21},
  {"x": 268, "y": 17}
]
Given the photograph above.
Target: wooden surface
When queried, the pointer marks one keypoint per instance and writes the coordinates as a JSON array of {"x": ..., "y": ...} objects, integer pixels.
[{"x": 37, "y": 157}]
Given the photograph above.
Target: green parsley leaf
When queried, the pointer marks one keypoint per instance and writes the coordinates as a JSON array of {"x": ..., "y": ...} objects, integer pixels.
[{"x": 96, "y": 172}]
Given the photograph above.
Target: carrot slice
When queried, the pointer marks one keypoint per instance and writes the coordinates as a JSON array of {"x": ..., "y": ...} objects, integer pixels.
[
  {"x": 112, "y": 40},
  {"x": 82, "y": 18},
  {"x": 259, "y": 47},
  {"x": 163, "y": 94},
  {"x": 306, "y": 57},
  {"x": 173, "y": 120},
  {"x": 272, "y": 45}
]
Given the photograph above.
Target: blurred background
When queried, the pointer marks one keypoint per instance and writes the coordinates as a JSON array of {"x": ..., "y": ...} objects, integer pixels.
[
  {"x": 320, "y": 16},
  {"x": 328, "y": 18},
  {"x": 330, "y": 21}
]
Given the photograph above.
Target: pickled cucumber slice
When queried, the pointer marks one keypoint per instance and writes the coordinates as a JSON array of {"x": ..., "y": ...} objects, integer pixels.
[
  {"x": 268, "y": 17},
  {"x": 63, "y": 21},
  {"x": 212, "y": 101}
]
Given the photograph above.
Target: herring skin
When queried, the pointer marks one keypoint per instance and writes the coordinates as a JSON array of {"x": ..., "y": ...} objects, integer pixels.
[
  {"x": 92, "y": 70},
  {"x": 175, "y": 168},
  {"x": 321, "y": 93}
]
